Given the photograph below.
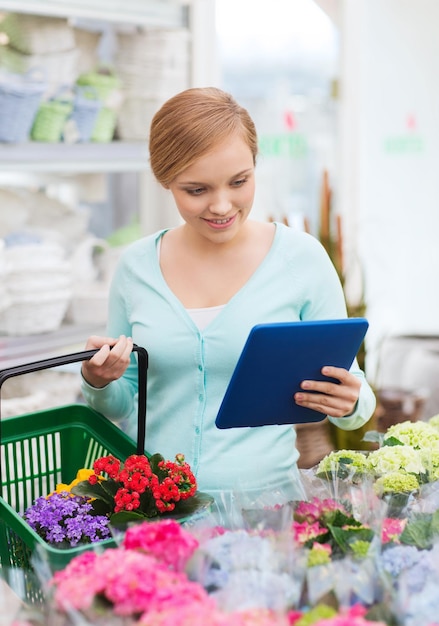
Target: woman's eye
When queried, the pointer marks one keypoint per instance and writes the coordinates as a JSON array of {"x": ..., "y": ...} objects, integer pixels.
[
  {"x": 195, "y": 192},
  {"x": 238, "y": 183}
]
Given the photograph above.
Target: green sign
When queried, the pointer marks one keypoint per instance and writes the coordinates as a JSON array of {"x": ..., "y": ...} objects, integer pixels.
[
  {"x": 292, "y": 145},
  {"x": 404, "y": 144}
]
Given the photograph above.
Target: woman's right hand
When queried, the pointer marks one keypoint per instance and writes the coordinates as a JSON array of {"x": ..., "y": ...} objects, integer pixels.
[{"x": 110, "y": 362}]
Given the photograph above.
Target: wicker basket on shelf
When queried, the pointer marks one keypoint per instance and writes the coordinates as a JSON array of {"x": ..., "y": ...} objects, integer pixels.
[
  {"x": 398, "y": 405},
  {"x": 38, "y": 282},
  {"x": 20, "y": 97},
  {"x": 103, "y": 80},
  {"x": 86, "y": 108},
  {"x": 58, "y": 68},
  {"x": 38, "y": 34},
  {"x": 51, "y": 118},
  {"x": 313, "y": 443},
  {"x": 107, "y": 86},
  {"x": 135, "y": 116}
]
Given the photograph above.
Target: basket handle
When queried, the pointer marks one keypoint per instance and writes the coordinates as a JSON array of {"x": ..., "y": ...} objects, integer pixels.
[{"x": 76, "y": 357}]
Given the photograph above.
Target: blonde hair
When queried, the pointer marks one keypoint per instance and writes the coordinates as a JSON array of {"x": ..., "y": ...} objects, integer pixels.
[{"x": 190, "y": 124}]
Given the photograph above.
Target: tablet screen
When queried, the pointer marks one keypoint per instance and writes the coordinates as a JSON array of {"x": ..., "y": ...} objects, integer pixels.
[{"x": 276, "y": 358}]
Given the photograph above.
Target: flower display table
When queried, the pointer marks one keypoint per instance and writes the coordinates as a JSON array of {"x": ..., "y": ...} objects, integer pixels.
[{"x": 361, "y": 550}]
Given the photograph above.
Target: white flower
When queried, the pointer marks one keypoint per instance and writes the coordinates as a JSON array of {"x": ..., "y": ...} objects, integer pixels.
[
  {"x": 350, "y": 458},
  {"x": 396, "y": 458},
  {"x": 416, "y": 434}
]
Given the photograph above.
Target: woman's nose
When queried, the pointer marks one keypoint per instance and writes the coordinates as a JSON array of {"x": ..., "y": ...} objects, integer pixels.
[{"x": 221, "y": 204}]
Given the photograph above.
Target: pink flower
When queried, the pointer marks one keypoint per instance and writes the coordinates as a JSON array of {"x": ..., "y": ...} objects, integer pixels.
[
  {"x": 392, "y": 529},
  {"x": 316, "y": 508},
  {"x": 304, "y": 531},
  {"x": 197, "y": 614},
  {"x": 130, "y": 580},
  {"x": 165, "y": 540},
  {"x": 203, "y": 615}
]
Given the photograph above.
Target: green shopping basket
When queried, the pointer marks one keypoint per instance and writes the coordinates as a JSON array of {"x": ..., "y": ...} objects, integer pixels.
[{"x": 45, "y": 448}]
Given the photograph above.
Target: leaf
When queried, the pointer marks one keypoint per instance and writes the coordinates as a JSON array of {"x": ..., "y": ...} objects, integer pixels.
[
  {"x": 200, "y": 501},
  {"x": 84, "y": 488},
  {"x": 147, "y": 503},
  {"x": 111, "y": 487},
  {"x": 124, "y": 517},
  {"x": 435, "y": 524},
  {"x": 154, "y": 461},
  {"x": 381, "y": 613},
  {"x": 344, "y": 537},
  {"x": 338, "y": 518},
  {"x": 101, "y": 508},
  {"x": 419, "y": 531},
  {"x": 392, "y": 441}
]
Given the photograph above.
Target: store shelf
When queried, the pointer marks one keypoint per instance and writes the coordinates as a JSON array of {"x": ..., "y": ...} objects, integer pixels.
[
  {"x": 26, "y": 349},
  {"x": 159, "y": 13},
  {"x": 117, "y": 156}
]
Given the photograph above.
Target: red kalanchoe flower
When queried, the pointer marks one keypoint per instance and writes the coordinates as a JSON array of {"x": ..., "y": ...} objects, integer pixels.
[
  {"x": 147, "y": 485},
  {"x": 126, "y": 500},
  {"x": 108, "y": 465}
]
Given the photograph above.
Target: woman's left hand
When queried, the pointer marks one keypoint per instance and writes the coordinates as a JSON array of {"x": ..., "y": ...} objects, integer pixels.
[{"x": 334, "y": 399}]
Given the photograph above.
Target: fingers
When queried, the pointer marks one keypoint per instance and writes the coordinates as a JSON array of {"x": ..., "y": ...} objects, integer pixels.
[
  {"x": 337, "y": 399},
  {"x": 95, "y": 341},
  {"x": 109, "y": 362}
]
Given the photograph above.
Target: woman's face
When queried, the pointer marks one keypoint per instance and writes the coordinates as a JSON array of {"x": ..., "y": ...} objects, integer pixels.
[{"x": 215, "y": 195}]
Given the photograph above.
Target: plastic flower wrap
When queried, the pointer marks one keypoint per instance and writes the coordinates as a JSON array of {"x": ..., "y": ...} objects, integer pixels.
[
  {"x": 344, "y": 464},
  {"x": 330, "y": 523},
  {"x": 247, "y": 569},
  {"x": 204, "y": 616},
  {"x": 143, "y": 583},
  {"x": 352, "y": 616},
  {"x": 399, "y": 472},
  {"x": 413, "y": 574},
  {"x": 341, "y": 552},
  {"x": 140, "y": 576},
  {"x": 345, "y": 475},
  {"x": 349, "y": 581}
]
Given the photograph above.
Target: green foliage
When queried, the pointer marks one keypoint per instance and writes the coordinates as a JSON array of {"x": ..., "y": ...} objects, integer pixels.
[{"x": 422, "y": 530}]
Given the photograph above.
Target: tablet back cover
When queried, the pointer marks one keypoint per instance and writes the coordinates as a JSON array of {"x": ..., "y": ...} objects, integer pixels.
[{"x": 276, "y": 358}]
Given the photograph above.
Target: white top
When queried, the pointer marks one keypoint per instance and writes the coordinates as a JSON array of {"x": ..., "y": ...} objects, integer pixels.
[{"x": 202, "y": 317}]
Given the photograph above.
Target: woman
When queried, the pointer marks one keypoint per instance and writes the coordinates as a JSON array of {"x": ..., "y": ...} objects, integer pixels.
[{"x": 191, "y": 294}]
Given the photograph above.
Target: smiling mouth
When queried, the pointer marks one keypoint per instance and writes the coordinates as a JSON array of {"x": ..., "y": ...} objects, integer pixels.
[{"x": 223, "y": 221}]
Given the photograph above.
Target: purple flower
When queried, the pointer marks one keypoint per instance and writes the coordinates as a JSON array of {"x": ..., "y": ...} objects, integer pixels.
[
  {"x": 63, "y": 518},
  {"x": 397, "y": 559}
]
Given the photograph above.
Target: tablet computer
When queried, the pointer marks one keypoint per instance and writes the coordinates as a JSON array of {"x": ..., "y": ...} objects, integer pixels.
[{"x": 276, "y": 358}]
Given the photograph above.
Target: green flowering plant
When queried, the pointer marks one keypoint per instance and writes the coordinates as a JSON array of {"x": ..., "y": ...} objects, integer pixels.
[
  {"x": 396, "y": 482},
  {"x": 343, "y": 464},
  {"x": 329, "y": 530},
  {"x": 397, "y": 458},
  {"x": 418, "y": 435},
  {"x": 434, "y": 421}
]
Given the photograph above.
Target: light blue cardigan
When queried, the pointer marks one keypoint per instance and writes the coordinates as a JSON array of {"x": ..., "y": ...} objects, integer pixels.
[{"x": 189, "y": 370}]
